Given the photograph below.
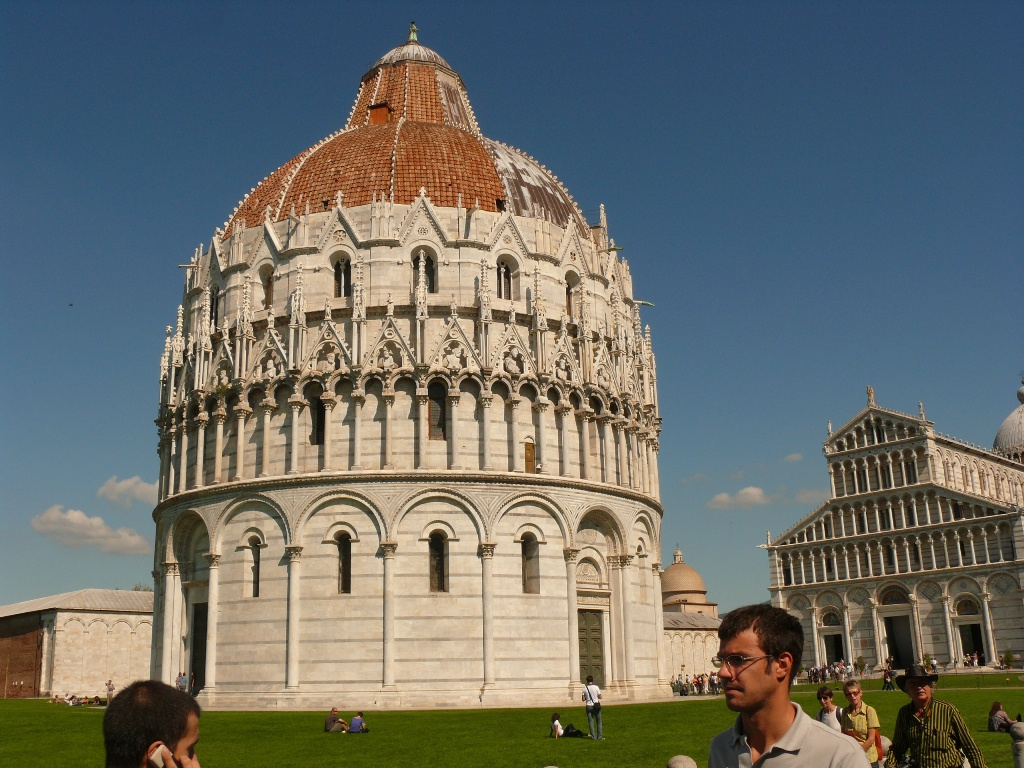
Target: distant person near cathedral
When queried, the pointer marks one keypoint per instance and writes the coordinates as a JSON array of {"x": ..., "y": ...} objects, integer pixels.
[
  {"x": 759, "y": 655},
  {"x": 931, "y": 732}
]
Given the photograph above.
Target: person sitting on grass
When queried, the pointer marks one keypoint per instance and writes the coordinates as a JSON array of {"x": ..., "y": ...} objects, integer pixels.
[
  {"x": 358, "y": 725},
  {"x": 998, "y": 720},
  {"x": 334, "y": 724},
  {"x": 556, "y": 727}
]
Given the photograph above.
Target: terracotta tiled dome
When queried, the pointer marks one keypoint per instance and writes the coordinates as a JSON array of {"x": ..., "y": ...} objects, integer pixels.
[{"x": 411, "y": 128}]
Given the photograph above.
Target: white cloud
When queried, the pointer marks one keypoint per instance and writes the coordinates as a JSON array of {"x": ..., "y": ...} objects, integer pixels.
[
  {"x": 811, "y": 497},
  {"x": 76, "y": 529},
  {"x": 694, "y": 478},
  {"x": 745, "y": 498},
  {"x": 124, "y": 492},
  {"x": 793, "y": 458}
]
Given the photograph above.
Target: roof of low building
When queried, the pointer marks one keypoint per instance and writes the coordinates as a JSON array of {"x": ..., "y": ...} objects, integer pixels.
[
  {"x": 98, "y": 600},
  {"x": 691, "y": 621}
]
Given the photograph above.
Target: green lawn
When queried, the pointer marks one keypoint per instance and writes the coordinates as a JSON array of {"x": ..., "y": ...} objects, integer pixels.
[{"x": 34, "y": 733}]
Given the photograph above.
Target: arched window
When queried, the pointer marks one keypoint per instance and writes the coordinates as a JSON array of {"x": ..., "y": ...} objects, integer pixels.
[
  {"x": 214, "y": 307},
  {"x": 429, "y": 270},
  {"x": 967, "y": 607},
  {"x": 344, "y": 542},
  {"x": 910, "y": 471},
  {"x": 254, "y": 548},
  {"x": 830, "y": 619},
  {"x": 505, "y": 270},
  {"x": 267, "y": 281},
  {"x": 437, "y": 412},
  {"x": 342, "y": 278},
  {"x": 531, "y": 564},
  {"x": 438, "y": 544},
  {"x": 894, "y": 596}
]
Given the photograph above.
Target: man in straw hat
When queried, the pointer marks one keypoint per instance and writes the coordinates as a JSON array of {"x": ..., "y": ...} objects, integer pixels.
[{"x": 931, "y": 731}]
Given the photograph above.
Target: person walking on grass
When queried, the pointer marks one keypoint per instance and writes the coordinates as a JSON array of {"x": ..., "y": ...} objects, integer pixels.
[
  {"x": 759, "y": 653},
  {"x": 929, "y": 731},
  {"x": 592, "y": 698}
]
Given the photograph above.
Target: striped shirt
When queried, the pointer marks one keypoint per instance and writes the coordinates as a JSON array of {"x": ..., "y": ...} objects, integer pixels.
[{"x": 935, "y": 739}]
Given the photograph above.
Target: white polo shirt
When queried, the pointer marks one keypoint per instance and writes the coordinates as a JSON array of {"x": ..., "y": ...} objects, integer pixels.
[{"x": 807, "y": 744}]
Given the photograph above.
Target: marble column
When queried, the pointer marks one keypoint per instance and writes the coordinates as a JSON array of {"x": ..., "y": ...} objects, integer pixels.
[
  {"x": 172, "y": 457},
  {"x": 487, "y": 586},
  {"x": 388, "y": 548},
  {"x": 267, "y": 407},
  {"x": 294, "y": 555},
  {"x": 815, "y": 639},
  {"x": 329, "y": 402},
  {"x": 602, "y": 435},
  {"x": 201, "y": 421},
  {"x": 485, "y": 416},
  {"x": 659, "y": 613},
  {"x": 542, "y": 406},
  {"x": 626, "y": 599},
  {"x": 183, "y": 470},
  {"x": 585, "y": 418},
  {"x": 517, "y": 448},
  {"x": 389, "y": 409},
  {"x": 453, "y": 430},
  {"x": 241, "y": 416},
  {"x": 916, "y": 615},
  {"x": 166, "y": 657},
  {"x": 46, "y": 652},
  {"x": 357, "y": 430},
  {"x": 879, "y": 657},
  {"x": 423, "y": 428},
  {"x": 990, "y": 639},
  {"x": 212, "y": 616},
  {"x": 574, "y": 619},
  {"x": 563, "y": 412},
  {"x": 296, "y": 404},
  {"x": 948, "y": 623},
  {"x": 619, "y": 427},
  {"x": 846, "y": 633},
  {"x": 218, "y": 451}
]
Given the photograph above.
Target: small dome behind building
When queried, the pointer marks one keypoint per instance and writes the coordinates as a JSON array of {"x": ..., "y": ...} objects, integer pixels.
[
  {"x": 683, "y": 589},
  {"x": 1010, "y": 437}
]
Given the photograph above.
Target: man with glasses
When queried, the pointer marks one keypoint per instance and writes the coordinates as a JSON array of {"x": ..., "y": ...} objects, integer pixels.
[{"x": 759, "y": 653}]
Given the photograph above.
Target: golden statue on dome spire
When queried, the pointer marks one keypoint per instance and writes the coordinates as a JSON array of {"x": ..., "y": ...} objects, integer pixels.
[{"x": 413, "y": 34}]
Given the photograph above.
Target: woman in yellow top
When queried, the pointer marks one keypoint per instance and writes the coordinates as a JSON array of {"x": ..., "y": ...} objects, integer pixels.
[{"x": 860, "y": 721}]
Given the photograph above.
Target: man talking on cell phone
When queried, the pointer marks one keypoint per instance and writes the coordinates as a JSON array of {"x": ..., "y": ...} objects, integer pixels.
[{"x": 151, "y": 724}]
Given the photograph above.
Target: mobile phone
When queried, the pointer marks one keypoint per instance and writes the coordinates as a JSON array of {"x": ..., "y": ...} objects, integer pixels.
[{"x": 157, "y": 758}]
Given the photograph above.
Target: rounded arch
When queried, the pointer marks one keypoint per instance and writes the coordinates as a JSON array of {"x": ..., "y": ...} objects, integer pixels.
[
  {"x": 828, "y": 598},
  {"x": 645, "y": 519},
  {"x": 429, "y": 251},
  {"x": 251, "y": 502},
  {"x": 893, "y": 594},
  {"x": 450, "y": 495},
  {"x": 527, "y": 530},
  {"x": 552, "y": 507},
  {"x": 606, "y": 520},
  {"x": 323, "y": 500},
  {"x": 188, "y": 534},
  {"x": 432, "y": 527},
  {"x": 507, "y": 276}
]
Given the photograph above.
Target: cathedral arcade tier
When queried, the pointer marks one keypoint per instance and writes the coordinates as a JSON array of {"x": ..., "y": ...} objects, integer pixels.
[{"x": 916, "y": 553}]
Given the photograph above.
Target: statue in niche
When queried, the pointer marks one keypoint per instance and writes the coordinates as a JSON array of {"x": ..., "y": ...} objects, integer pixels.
[
  {"x": 391, "y": 306},
  {"x": 223, "y": 379},
  {"x": 386, "y": 361},
  {"x": 328, "y": 363},
  {"x": 562, "y": 371},
  {"x": 454, "y": 357},
  {"x": 269, "y": 368},
  {"x": 513, "y": 362},
  {"x": 602, "y": 378}
]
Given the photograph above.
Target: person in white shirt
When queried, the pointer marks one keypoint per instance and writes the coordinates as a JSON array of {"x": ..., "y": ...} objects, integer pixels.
[
  {"x": 759, "y": 655},
  {"x": 829, "y": 714},
  {"x": 556, "y": 727},
  {"x": 592, "y": 698}
]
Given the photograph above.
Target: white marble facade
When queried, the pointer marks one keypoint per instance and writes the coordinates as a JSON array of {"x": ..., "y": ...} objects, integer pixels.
[
  {"x": 917, "y": 552},
  {"x": 406, "y": 446}
]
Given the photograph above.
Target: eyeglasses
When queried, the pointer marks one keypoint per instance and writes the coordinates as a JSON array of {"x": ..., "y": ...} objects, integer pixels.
[{"x": 735, "y": 660}]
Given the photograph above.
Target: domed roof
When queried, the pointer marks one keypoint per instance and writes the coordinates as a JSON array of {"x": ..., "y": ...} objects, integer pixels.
[
  {"x": 680, "y": 577},
  {"x": 1010, "y": 437},
  {"x": 411, "y": 128}
]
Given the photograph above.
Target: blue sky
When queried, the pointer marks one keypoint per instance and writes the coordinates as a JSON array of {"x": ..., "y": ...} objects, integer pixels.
[{"x": 815, "y": 196}]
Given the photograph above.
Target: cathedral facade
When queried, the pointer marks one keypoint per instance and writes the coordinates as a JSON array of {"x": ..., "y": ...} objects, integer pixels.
[
  {"x": 917, "y": 552},
  {"x": 409, "y": 429}
]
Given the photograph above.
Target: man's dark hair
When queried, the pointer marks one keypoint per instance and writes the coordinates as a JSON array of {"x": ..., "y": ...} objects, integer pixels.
[
  {"x": 144, "y": 712},
  {"x": 777, "y": 630}
]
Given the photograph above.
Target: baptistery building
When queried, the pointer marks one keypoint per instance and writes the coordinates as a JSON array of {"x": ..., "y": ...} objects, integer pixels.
[
  {"x": 917, "y": 552},
  {"x": 408, "y": 429}
]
